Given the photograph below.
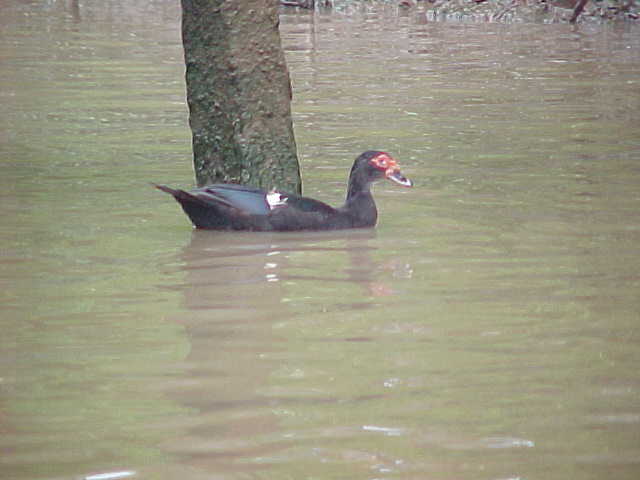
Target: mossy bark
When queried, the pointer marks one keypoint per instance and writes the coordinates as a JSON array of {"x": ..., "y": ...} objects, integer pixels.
[{"x": 239, "y": 94}]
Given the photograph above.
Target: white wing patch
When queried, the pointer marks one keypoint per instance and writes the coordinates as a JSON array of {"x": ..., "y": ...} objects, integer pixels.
[{"x": 275, "y": 199}]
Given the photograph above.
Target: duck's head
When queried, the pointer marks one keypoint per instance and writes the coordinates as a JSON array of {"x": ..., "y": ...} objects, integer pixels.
[{"x": 374, "y": 165}]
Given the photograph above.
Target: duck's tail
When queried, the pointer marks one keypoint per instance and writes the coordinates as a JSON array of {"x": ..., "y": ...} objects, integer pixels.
[
  {"x": 202, "y": 214},
  {"x": 180, "y": 195}
]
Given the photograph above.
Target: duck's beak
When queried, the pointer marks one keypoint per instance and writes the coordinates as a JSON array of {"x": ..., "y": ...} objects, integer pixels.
[{"x": 395, "y": 175}]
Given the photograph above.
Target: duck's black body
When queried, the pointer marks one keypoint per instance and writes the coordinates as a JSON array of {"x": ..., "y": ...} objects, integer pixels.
[{"x": 240, "y": 207}]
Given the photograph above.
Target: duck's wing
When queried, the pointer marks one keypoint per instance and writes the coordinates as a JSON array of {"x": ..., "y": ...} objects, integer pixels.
[
  {"x": 306, "y": 204},
  {"x": 255, "y": 201},
  {"x": 247, "y": 208},
  {"x": 249, "y": 200}
]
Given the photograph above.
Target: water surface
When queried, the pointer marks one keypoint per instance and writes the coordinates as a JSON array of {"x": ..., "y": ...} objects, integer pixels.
[{"x": 486, "y": 329}]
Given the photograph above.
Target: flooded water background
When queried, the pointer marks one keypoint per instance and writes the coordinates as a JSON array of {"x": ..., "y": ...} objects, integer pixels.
[{"x": 488, "y": 328}]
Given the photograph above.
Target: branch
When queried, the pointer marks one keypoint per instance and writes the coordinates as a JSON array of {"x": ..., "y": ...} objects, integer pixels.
[{"x": 578, "y": 10}]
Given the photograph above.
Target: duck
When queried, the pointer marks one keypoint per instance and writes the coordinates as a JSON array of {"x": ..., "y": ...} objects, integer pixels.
[{"x": 227, "y": 206}]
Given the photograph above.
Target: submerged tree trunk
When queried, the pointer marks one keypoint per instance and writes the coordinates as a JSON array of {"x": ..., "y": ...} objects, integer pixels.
[{"x": 239, "y": 94}]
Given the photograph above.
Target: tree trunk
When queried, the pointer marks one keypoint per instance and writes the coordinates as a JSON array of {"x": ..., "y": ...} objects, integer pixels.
[{"x": 239, "y": 94}]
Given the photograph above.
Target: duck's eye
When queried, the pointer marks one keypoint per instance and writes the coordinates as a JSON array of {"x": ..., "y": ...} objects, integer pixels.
[{"x": 382, "y": 162}]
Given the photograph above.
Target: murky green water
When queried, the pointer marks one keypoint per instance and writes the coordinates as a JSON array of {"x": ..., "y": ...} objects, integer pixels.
[{"x": 488, "y": 328}]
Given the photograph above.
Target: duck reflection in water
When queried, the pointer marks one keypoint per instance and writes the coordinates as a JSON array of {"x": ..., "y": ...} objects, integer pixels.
[{"x": 246, "y": 295}]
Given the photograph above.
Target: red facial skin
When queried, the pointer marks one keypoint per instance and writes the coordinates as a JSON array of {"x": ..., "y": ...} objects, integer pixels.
[{"x": 386, "y": 163}]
